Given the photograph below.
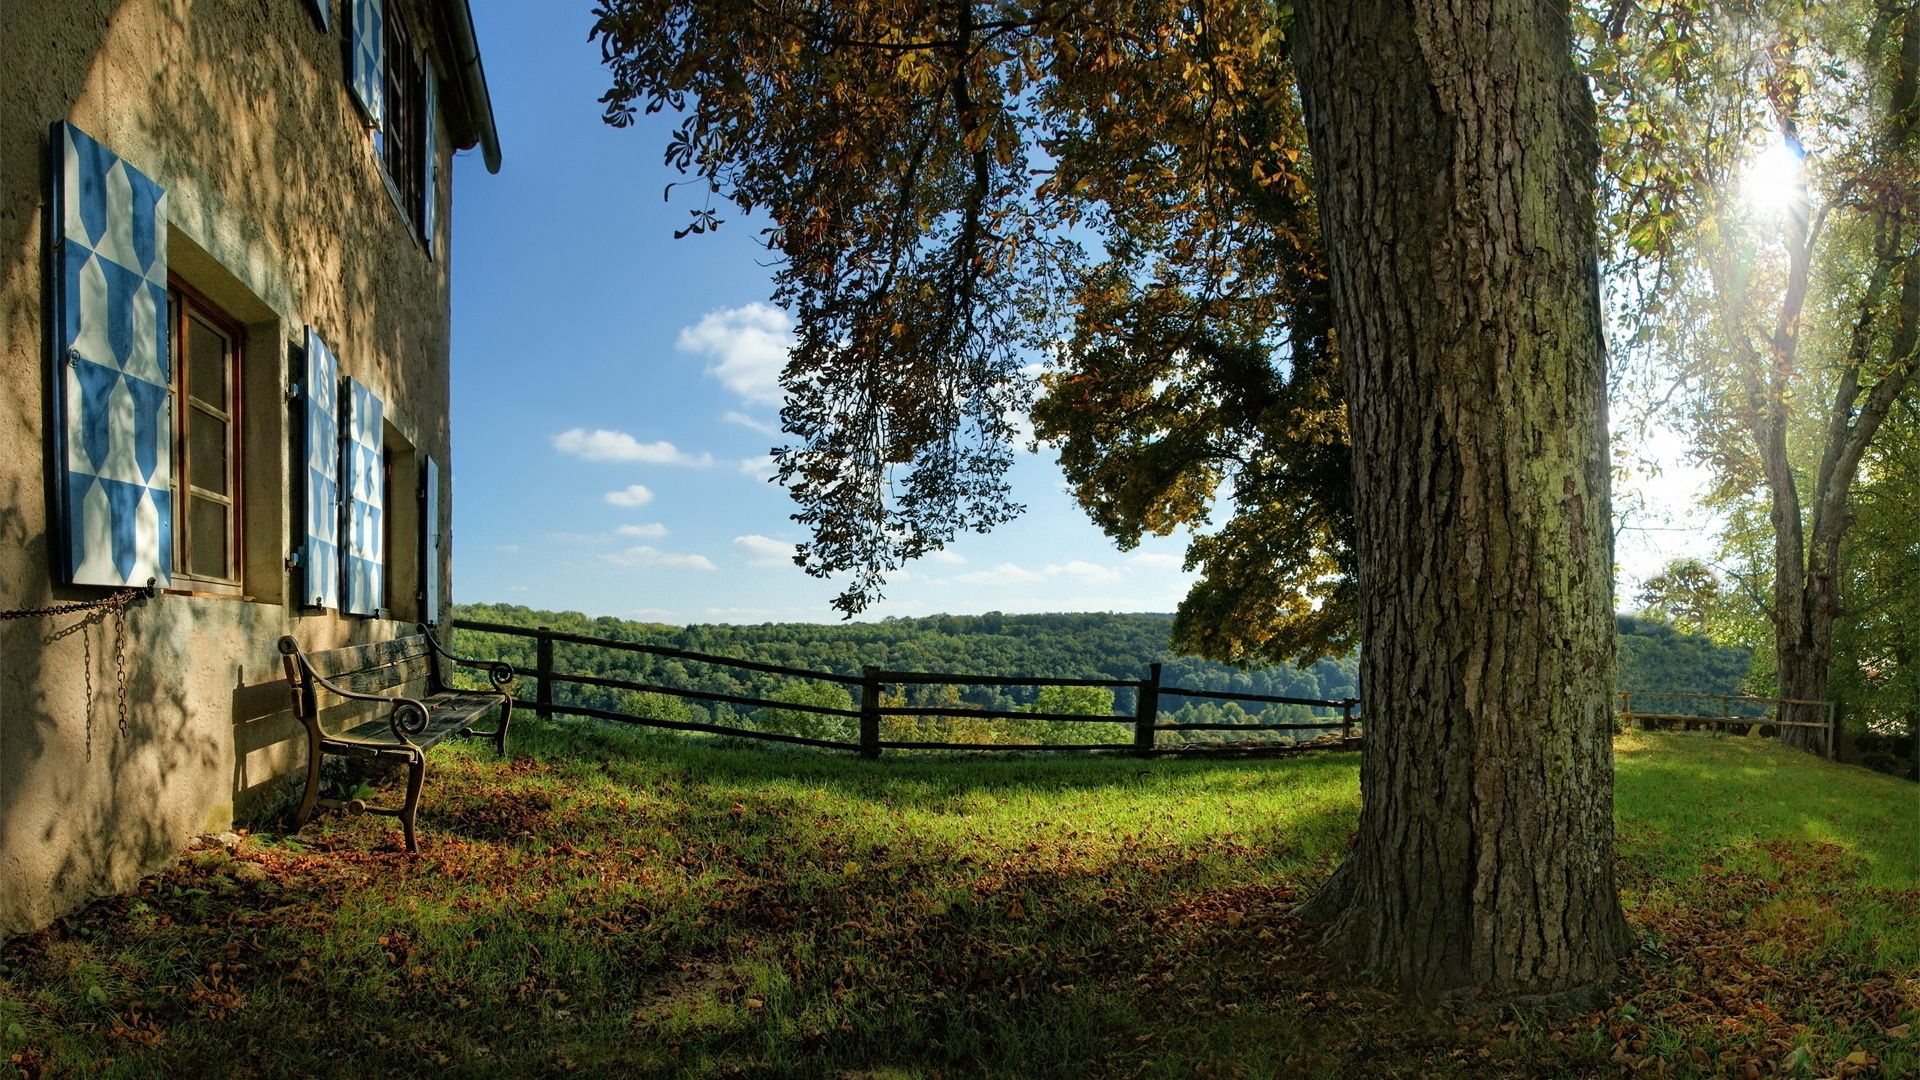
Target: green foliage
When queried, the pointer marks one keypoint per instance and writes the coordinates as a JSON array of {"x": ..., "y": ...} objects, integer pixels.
[
  {"x": 1074, "y": 701},
  {"x": 811, "y": 724},
  {"x": 611, "y": 904},
  {"x": 1876, "y": 677}
]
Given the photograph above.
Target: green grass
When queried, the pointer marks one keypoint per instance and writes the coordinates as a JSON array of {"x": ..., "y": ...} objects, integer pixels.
[{"x": 616, "y": 902}]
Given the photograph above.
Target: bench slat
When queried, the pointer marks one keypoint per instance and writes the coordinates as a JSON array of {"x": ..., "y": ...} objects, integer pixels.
[
  {"x": 447, "y": 715},
  {"x": 335, "y": 664},
  {"x": 383, "y": 679}
]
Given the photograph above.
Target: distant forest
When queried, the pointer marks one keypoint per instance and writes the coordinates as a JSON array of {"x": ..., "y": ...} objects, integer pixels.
[{"x": 1653, "y": 656}]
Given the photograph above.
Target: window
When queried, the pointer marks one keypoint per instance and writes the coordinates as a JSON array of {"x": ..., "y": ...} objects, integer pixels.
[
  {"x": 206, "y": 351},
  {"x": 398, "y": 140}
]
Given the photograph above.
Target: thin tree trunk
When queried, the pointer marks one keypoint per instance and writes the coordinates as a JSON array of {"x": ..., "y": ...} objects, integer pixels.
[{"x": 1454, "y": 152}]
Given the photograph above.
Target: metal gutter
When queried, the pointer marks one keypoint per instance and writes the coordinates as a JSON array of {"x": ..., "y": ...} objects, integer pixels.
[{"x": 473, "y": 81}]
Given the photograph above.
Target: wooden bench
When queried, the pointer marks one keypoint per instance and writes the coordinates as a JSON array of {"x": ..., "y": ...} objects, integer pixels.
[{"x": 327, "y": 685}]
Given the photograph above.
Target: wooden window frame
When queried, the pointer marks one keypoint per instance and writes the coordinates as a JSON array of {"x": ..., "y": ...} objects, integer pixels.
[
  {"x": 397, "y": 145},
  {"x": 186, "y": 303}
]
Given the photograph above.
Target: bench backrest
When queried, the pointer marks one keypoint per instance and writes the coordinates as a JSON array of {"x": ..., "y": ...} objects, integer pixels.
[{"x": 403, "y": 666}]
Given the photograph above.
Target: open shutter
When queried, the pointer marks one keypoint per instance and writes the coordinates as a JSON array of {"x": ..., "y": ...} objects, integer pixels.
[
  {"x": 366, "y": 502},
  {"x": 114, "y": 429},
  {"x": 430, "y": 542},
  {"x": 320, "y": 544},
  {"x": 366, "y": 71},
  {"x": 429, "y": 115}
]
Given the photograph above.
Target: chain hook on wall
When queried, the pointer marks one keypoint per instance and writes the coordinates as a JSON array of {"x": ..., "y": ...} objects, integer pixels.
[{"x": 96, "y": 612}]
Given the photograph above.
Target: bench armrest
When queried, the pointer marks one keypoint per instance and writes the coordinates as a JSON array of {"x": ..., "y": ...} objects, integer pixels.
[
  {"x": 499, "y": 672},
  {"x": 408, "y": 717}
]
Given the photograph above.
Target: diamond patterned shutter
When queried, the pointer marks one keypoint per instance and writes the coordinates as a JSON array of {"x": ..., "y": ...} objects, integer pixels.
[
  {"x": 320, "y": 541},
  {"x": 113, "y": 431},
  {"x": 429, "y": 164},
  {"x": 366, "y": 71},
  {"x": 366, "y": 502},
  {"x": 430, "y": 542}
]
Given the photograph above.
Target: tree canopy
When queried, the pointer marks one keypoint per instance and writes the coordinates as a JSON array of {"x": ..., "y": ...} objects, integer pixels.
[{"x": 1122, "y": 189}]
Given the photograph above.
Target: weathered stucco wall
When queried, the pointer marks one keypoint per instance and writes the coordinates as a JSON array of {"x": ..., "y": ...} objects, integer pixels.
[{"x": 280, "y": 214}]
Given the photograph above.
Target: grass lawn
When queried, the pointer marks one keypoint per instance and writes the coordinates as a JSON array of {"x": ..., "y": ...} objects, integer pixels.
[{"x": 613, "y": 902}]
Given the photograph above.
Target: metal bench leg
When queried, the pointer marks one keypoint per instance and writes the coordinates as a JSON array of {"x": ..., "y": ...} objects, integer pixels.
[
  {"x": 416, "y": 774},
  {"x": 312, "y": 797},
  {"x": 506, "y": 718}
]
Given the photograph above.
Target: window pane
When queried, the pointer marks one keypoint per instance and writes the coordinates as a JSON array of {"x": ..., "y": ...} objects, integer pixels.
[
  {"x": 206, "y": 364},
  {"x": 206, "y": 451},
  {"x": 208, "y": 532}
]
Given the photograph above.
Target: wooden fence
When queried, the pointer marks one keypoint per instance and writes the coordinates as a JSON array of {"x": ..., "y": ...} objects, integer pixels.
[
  {"x": 1662, "y": 708},
  {"x": 872, "y": 684}
]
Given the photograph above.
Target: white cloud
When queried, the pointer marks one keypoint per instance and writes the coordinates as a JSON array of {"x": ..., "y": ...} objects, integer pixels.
[
  {"x": 751, "y": 423},
  {"x": 748, "y": 346},
  {"x": 576, "y": 538},
  {"x": 726, "y": 613},
  {"x": 652, "y": 530},
  {"x": 762, "y": 550},
  {"x": 631, "y": 495},
  {"x": 508, "y": 548},
  {"x": 603, "y": 445},
  {"x": 947, "y": 557},
  {"x": 653, "y": 614},
  {"x": 760, "y": 468},
  {"x": 1157, "y": 558},
  {"x": 1084, "y": 571},
  {"x": 1005, "y": 574},
  {"x": 652, "y": 556}
]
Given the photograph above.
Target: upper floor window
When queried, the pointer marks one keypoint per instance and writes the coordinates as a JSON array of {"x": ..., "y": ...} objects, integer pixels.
[
  {"x": 206, "y": 350},
  {"x": 398, "y": 140}
]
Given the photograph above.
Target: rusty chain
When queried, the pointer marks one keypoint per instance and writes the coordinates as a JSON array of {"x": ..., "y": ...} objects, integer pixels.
[{"x": 114, "y": 604}]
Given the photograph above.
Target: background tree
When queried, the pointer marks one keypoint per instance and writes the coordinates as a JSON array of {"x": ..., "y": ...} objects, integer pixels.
[
  {"x": 1877, "y": 681},
  {"x": 1686, "y": 591},
  {"x": 1072, "y": 701},
  {"x": 892, "y": 147},
  {"x": 813, "y": 725},
  {"x": 1767, "y": 167}
]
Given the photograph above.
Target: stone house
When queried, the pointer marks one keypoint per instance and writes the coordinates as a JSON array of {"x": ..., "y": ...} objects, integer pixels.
[{"x": 224, "y": 326}]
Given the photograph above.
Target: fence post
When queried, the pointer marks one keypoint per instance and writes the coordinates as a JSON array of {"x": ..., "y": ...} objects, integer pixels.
[
  {"x": 1146, "y": 710},
  {"x": 1833, "y": 735},
  {"x": 543, "y": 674},
  {"x": 1346, "y": 720},
  {"x": 870, "y": 712}
]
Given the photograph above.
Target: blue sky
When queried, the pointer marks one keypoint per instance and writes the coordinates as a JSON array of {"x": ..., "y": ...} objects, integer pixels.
[{"x": 614, "y": 397}]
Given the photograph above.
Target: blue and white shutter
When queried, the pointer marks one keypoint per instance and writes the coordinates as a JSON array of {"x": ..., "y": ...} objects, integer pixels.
[
  {"x": 114, "y": 428},
  {"x": 430, "y": 542},
  {"x": 320, "y": 538},
  {"x": 366, "y": 71},
  {"x": 366, "y": 502},
  {"x": 429, "y": 117}
]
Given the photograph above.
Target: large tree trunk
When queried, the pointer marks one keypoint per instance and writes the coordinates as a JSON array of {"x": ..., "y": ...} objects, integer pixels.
[{"x": 1454, "y": 151}]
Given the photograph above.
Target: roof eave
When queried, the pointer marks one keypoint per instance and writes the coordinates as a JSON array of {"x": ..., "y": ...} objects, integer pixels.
[{"x": 473, "y": 83}]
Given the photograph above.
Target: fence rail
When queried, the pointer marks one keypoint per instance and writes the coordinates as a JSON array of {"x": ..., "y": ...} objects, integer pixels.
[
  {"x": 1764, "y": 712},
  {"x": 872, "y": 681}
]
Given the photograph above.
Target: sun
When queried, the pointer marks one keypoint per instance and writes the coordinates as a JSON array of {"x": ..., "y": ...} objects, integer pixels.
[{"x": 1776, "y": 176}]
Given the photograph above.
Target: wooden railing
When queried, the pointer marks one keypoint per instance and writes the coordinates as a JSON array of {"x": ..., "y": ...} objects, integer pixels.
[
  {"x": 872, "y": 685},
  {"x": 1734, "y": 710}
]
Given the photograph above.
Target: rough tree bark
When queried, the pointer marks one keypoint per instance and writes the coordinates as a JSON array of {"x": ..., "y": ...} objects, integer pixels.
[{"x": 1454, "y": 150}]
